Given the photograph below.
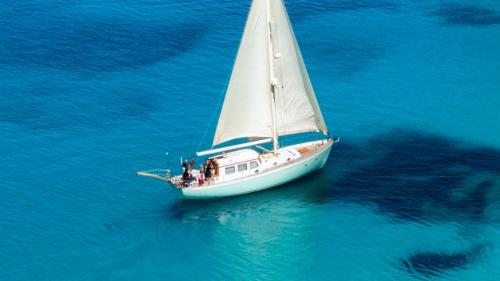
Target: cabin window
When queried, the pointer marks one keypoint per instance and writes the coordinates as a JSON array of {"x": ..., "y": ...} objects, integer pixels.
[
  {"x": 254, "y": 164},
  {"x": 242, "y": 167},
  {"x": 230, "y": 170}
]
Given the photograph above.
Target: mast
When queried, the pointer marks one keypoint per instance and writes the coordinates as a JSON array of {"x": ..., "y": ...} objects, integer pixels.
[
  {"x": 262, "y": 75},
  {"x": 272, "y": 79}
]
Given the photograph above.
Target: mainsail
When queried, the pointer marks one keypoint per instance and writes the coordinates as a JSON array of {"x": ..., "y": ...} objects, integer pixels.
[{"x": 269, "y": 90}]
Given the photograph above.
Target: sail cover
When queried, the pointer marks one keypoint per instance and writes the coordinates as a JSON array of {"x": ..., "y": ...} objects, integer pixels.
[{"x": 247, "y": 109}]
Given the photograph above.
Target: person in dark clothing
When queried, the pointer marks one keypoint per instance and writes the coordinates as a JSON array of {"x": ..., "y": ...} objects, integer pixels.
[
  {"x": 208, "y": 169},
  {"x": 185, "y": 170},
  {"x": 185, "y": 165},
  {"x": 185, "y": 174}
]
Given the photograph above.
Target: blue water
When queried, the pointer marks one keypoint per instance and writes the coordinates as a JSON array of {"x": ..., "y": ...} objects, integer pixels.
[{"x": 92, "y": 91}]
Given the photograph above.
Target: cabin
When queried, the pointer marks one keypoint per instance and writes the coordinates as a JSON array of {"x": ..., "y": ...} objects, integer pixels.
[{"x": 237, "y": 164}]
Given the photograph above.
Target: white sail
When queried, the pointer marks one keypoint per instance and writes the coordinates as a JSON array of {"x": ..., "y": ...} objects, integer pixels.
[
  {"x": 296, "y": 105},
  {"x": 248, "y": 105}
]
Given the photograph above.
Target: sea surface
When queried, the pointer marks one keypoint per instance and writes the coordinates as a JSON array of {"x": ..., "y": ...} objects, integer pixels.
[{"x": 92, "y": 91}]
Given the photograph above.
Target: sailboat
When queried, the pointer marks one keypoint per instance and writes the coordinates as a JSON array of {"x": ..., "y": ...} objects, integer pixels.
[{"x": 269, "y": 95}]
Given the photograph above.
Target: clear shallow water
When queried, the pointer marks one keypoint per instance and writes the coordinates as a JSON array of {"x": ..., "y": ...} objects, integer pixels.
[{"x": 93, "y": 91}]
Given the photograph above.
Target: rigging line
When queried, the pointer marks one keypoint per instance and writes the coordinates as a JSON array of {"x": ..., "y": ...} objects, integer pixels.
[{"x": 219, "y": 99}]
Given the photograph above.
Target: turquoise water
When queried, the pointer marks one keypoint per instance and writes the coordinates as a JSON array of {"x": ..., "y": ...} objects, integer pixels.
[{"x": 92, "y": 91}]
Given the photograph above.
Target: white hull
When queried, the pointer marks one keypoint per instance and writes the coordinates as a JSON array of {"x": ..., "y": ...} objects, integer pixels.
[{"x": 265, "y": 180}]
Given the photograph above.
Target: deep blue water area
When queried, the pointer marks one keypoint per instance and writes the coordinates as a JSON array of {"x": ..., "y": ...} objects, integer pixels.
[{"x": 93, "y": 91}]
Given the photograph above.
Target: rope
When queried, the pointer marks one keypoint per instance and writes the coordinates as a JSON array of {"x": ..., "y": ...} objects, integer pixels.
[{"x": 219, "y": 99}]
